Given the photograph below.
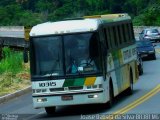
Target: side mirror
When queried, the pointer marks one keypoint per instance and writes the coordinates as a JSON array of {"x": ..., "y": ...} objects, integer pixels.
[{"x": 25, "y": 55}]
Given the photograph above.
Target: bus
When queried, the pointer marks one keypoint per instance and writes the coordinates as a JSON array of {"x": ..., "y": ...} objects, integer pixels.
[{"x": 89, "y": 60}]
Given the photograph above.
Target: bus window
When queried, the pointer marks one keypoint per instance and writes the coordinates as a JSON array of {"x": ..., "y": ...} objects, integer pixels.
[
  {"x": 48, "y": 57},
  {"x": 124, "y": 33},
  {"x": 115, "y": 37},
  {"x": 127, "y": 33},
  {"x": 119, "y": 34},
  {"x": 106, "y": 37},
  {"x": 111, "y": 35},
  {"x": 81, "y": 53},
  {"x": 132, "y": 32}
]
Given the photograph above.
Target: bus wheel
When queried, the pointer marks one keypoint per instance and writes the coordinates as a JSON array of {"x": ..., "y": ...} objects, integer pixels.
[
  {"x": 111, "y": 96},
  {"x": 130, "y": 89},
  {"x": 50, "y": 110}
]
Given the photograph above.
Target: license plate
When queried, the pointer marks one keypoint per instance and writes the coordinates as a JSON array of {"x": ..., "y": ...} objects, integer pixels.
[
  {"x": 67, "y": 97},
  {"x": 144, "y": 55}
]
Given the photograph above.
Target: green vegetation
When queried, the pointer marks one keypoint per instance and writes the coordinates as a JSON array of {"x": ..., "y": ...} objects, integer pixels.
[
  {"x": 12, "y": 61},
  {"x": 31, "y": 12},
  {"x": 14, "y": 74}
]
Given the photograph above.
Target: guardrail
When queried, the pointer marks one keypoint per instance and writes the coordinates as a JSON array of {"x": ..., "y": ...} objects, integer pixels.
[
  {"x": 12, "y": 31},
  {"x": 12, "y": 36}
]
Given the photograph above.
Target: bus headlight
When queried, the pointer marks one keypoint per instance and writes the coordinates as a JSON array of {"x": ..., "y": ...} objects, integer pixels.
[
  {"x": 95, "y": 96},
  {"x": 41, "y": 99},
  {"x": 92, "y": 96}
]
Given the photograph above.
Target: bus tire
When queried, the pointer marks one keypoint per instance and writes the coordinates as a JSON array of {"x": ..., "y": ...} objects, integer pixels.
[
  {"x": 130, "y": 89},
  {"x": 50, "y": 110},
  {"x": 111, "y": 96}
]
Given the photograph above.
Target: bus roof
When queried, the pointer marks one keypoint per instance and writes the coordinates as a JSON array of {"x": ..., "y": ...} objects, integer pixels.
[
  {"x": 89, "y": 23},
  {"x": 61, "y": 27},
  {"x": 111, "y": 17}
]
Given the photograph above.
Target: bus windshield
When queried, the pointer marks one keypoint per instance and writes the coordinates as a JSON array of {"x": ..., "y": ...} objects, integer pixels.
[
  {"x": 81, "y": 53},
  {"x": 48, "y": 56},
  {"x": 78, "y": 55}
]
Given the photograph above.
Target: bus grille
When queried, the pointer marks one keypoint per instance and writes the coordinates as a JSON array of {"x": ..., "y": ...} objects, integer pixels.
[
  {"x": 75, "y": 88},
  {"x": 68, "y": 88},
  {"x": 56, "y": 89}
]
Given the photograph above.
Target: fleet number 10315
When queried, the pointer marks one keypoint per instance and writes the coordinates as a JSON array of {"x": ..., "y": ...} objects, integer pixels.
[{"x": 47, "y": 84}]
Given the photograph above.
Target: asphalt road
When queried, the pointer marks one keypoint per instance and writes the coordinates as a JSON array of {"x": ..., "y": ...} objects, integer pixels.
[{"x": 145, "y": 99}]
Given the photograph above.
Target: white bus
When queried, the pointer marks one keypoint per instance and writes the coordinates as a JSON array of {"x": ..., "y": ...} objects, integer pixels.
[{"x": 85, "y": 61}]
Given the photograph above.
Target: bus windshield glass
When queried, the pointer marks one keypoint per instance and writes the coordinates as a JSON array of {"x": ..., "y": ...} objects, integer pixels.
[
  {"x": 81, "y": 53},
  {"x": 66, "y": 55},
  {"x": 48, "y": 56}
]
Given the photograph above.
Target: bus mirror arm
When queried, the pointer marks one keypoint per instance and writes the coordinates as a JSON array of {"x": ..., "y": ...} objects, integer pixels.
[{"x": 25, "y": 55}]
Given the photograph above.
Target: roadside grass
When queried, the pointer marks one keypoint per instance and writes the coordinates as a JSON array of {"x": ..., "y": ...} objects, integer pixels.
[{"x": 14, "y": 74}]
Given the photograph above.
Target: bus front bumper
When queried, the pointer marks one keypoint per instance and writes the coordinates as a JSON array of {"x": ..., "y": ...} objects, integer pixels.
[{"x": 92, "y": 97}]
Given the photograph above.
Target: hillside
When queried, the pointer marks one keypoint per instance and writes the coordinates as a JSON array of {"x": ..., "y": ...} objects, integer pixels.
[{"x": 31, "y": 12}]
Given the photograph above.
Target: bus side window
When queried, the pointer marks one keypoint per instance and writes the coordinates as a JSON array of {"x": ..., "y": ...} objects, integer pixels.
[
  {"x": 111, "y": 37},
  {"x": 119, "y": 34},
  {"x": 124, "y": 34},
  {"x": 127, "y": 33},
  {"x": 115, "y": 36},
  {"x": 132, "y": 32},
  {"x": 106, "y": 37}
]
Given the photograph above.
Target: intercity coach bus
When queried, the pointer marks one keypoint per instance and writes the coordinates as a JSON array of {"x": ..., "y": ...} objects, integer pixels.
[{"x": 82, "y": 61}]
